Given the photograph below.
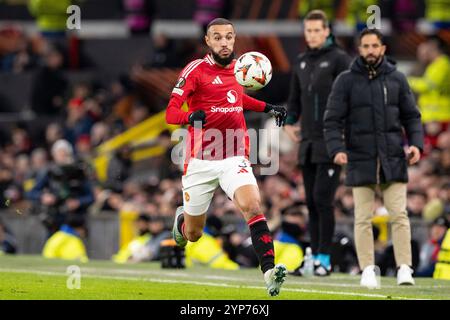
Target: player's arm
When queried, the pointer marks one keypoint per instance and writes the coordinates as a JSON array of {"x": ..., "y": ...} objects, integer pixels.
[
  {"x": 260, "y": 106},
  {"x": 184, "y": 88}
]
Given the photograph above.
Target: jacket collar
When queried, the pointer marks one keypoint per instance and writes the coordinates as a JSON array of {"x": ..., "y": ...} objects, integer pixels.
[
  {"x": 386, "y": 66},
  {"x": 330, "y": 43}
]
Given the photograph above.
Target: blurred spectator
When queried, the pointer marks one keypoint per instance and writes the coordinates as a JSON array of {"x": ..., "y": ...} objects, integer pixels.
[
  {"x": 21, "y": 141},
  {"x": 137, "y": 249},
  {"x": 208, "y": 249},
  {"x": 433, "y": 87},
  {"x": 100, "y": 133},
  {"x": 438, "y": 13},
  {"x": 67, "y": 244},
  {"x": 49, "y": 85},
  {"x": 430, "y": 249},
  {"x": 330, "y": 7},
  {"x": 442, "y": 267},
  {"x": 439, "y": 203},
  {"x": 8, "y": 243},
  {"x": 83, "y": 148},
  {"x": 119, "y": 169},
  {"x": 53, "y": 133},
  {"x": 403, "y": 14},
  {"x": 165, "y": 54},
  {"x": 16, "y": 54},
  {"x": 139, "y": 15},
  {"x": 415, "y": 203},
  {"x": 146, "y": 246},
  {"x": 288, "y": 241},
  {"x": 356, "y": 15},
  {"x": 51, "y": 16},
  {"x": 14, "y": 192},
  {"x": 79, "y": 122},
  {"x": 208, "y": 10},
  {"x": 62, "y": 191},
  {"x": 39, "y": 164}
]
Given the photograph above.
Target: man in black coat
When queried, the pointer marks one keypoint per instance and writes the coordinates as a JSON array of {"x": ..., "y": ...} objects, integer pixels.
[
  {"x": 312, "y": 79},
  {"x": 370, "y": 104}
]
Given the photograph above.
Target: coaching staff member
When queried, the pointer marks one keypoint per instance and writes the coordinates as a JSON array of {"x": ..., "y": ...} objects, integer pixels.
[
  {"x": 312, "y": 79},
  {"x": 371, "y": 104}
]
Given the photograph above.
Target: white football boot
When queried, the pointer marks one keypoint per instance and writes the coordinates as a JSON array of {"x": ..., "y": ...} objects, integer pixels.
[{"x": 274, "y": 279}]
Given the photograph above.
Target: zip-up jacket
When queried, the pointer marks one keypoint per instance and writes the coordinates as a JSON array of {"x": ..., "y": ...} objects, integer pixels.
[
  {"x": 371, "y": 109},
  {"x": 312, "y": 78}
]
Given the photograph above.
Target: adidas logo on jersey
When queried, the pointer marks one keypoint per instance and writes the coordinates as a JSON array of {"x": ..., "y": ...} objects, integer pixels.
[{"x": 217, "y": 81}]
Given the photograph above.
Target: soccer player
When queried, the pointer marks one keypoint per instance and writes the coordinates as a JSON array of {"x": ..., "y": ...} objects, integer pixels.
[{"x": 218, "y": 146}]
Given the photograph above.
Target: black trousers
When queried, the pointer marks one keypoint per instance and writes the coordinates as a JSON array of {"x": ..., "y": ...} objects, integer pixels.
[{"x": 321, "y": 181}]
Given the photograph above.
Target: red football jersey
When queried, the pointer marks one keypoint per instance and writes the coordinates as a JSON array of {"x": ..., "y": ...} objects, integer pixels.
[{"x": 209, "y": 87}]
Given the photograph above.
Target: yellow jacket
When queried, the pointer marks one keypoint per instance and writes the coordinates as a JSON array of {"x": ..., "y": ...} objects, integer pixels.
[
  {"x": 50, "y": 15},
  {"x": 66, "y": 246},
  {"x": 134, "y": 248},
  {"x": 442, "y": 268},
  {"x": 434, "y": 90},
  {"x": 290, "y": 254},
  {"x": 208, "y": 251}
]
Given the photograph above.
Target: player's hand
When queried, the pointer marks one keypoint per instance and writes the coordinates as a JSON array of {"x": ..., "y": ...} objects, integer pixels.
[
  {"x": 340, "y": 158},
  {"x": 279, "y": 113},
  {"x": 413, "y": 154},
  {"x": 292, "y": 132},
  {"x": 197, "y": 116}
]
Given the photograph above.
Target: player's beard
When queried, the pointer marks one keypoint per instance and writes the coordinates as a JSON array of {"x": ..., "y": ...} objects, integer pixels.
[{"x": 223, "y": 61}]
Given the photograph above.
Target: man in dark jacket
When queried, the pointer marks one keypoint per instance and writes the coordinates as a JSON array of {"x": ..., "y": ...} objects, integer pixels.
[
  {"x": 370, "y": 103},
  {"x": 312, "y": 78}
]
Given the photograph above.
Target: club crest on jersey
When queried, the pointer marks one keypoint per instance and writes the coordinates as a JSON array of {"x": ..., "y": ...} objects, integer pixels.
[
  {"x": 180, "y": 83},
  {"x": 187, "y": 197},
  {"x": 231, "y": 96},
  {"x": 303, "y": 65},
  {"x": 243, "y": 164}
]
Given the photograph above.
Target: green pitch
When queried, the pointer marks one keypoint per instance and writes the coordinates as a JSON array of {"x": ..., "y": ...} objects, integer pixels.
[{"x": 32, "y": 277}]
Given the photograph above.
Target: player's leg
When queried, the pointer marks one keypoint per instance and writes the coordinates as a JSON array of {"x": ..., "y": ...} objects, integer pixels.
[
  {"x": 247, "y": 199},
  {"x": 187, "y": 227},
  {"x": 239, "y": 183},
  {"x": 199, "y": 183}
]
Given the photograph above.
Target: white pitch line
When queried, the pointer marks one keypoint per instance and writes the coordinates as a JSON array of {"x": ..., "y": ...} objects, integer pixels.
[
  {"x": 297, "y": 280},
  {"x": 213, "y": 284}
]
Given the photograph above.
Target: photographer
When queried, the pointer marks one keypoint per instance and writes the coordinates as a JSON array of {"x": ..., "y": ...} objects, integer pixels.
[{"x": 61, "y": 191}]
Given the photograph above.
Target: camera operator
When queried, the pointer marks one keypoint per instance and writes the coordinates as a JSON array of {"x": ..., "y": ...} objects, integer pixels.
[{"x": 62, "y": 190}]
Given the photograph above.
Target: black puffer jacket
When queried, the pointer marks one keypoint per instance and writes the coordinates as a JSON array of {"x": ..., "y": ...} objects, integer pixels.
[
  {"x": 312, "y": 79},
  {"x": 371, "y": 114}
]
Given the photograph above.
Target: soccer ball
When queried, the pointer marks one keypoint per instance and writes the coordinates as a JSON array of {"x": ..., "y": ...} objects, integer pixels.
[{"x": 253, "y": 70}]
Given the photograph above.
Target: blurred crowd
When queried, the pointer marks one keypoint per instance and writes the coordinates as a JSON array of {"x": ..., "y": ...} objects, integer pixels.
[{"x": 75, "y": 119}]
